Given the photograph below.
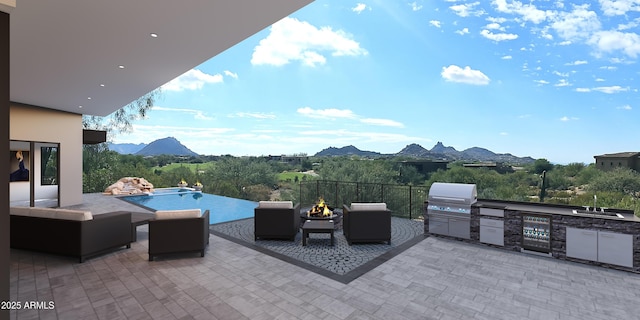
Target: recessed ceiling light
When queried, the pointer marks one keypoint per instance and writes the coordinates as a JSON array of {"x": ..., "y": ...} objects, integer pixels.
[
  {"x": 121, "y": 66},
  {"x": 154, "y": 35},
  {"x": 80, "y": 107},
  {"x": 102, "y": 84},
  {"x": 88, "y": 98}
]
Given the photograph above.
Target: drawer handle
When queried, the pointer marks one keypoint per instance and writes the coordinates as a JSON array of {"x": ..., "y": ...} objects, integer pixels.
[
  {"x": 604, "y": 235},
  {"x": 492, "y": 230},
  {"x": 587, "y": 233}
]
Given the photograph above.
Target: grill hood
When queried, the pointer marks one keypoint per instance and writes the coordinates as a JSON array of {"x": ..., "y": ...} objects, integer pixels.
[{"x": 453, "y": 194}]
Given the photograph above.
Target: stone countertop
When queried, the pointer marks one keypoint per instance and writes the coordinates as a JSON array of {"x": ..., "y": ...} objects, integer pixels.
[{"x": 554, "y": 209}]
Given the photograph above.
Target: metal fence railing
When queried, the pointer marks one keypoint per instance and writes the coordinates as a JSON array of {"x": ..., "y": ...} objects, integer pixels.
[{"x": 403, "y": 200}]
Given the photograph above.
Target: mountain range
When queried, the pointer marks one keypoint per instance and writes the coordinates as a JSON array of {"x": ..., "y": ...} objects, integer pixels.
[
  {"x": 439, "y": 152},
  {"x": 169, "y": 145}
]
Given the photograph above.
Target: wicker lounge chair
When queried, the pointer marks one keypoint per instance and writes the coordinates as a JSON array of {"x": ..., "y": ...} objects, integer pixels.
[
  {"x": 276, "y": 220},
  {"x": 178, "y": 231},
  {"x": 366, "y": 222}
]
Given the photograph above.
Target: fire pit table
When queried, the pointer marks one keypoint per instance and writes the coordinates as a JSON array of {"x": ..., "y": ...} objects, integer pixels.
[
  {"x": 336, "y": 216},
  {"x": 316, "y": 226}
]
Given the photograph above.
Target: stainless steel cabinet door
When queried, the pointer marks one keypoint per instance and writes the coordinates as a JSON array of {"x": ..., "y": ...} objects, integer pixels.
[
  {"x": 439, "y": 225},
  {"x": 582, "y": 244},
  {"x": 615, "y": 248},
  {"x": 460, "y": 228}
]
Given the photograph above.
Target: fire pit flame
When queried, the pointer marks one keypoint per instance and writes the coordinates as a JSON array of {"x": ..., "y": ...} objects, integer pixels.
[{"x": 320, "y": 209}]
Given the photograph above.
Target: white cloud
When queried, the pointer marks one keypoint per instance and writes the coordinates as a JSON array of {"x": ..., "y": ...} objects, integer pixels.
[
  {"x": 507, "y": 57},
  {"x": 435, "y": 23},
  {"x": 560, "y": 74},
  {"x": 359, "y": 8},
  {"x": 498, "y": 36},
  {"x": 230, "y": 74},
  {"x": 562, "y": 83},
  {"x": 609, "y": 41},
  {"x": 541, "y": 82},
  {"x": 494, "y": 26},
  {"x": 576, "y": 63},
  {"x": 463, "y": 31},
  {"x": 382, "y": 122},
  {"x": 467, "y": 9},
  {"x": 565, "y": 119},
  {"x": 619, "y": 7},
  {"x": 415, "y": 6},
  {"x": 578, "y": 24},
  {"x": 611, "y": 89},
  {"x": 293, "y": 40},
  {"x": 454, "y": 73},
  {"x": 255, "y": 115},
  {"x": 528, "y": 12},
  {"x": 193, "y": 79},
  {"x": 497, "y": 19},
  {"x": 625, "y": 107},
  {"x": 583, "y": 90},
  {"x": 197, "y": 114},
  {"x": 326, "y": 113}
]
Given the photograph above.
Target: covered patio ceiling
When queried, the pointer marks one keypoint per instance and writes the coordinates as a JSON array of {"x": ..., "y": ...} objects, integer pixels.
[{"x": 94, "y": 57}]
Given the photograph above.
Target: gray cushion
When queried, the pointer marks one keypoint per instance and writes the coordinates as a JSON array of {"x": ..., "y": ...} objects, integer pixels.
[
  {"x": 275, "y": 204},
  {"x": 369, "y": 206},
  {"x": 178, "y": 214}
]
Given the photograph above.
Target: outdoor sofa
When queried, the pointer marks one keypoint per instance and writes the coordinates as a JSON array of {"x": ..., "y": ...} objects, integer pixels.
[
  {"x": 276, "y": 220},
  {"x": 366, "y": 222},
  {"x": 178, "y": 231},
  {"x": 66, "y": 232}
]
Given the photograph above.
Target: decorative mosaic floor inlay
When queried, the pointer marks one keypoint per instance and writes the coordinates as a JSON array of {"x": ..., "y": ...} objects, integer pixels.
[{"x": 341, "y": 262}]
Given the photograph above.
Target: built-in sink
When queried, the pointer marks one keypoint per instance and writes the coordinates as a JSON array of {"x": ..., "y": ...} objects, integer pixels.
[{"x": 601, "y": 213}]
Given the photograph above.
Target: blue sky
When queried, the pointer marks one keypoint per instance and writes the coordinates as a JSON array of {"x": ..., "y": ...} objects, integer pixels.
[{"x": 546, "y": 79}]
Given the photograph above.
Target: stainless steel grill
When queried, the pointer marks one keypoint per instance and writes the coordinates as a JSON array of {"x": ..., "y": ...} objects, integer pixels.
[
  {"x": 449, "y": 208},
  {"x": 452, "y": 197}
]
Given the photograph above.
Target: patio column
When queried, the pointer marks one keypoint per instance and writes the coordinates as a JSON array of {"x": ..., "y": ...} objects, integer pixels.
[{"x": 4, "y": 160}]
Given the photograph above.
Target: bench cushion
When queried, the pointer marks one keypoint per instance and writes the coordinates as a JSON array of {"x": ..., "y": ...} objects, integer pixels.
[{"x": 52, "y": 213}]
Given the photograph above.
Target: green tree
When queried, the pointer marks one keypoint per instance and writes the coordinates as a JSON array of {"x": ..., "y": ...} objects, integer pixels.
[
  {"x": 100, "y": 166},
  {"x": 542, "y": 165}
]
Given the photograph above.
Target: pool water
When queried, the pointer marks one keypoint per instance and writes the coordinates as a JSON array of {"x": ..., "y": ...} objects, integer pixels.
[{"x": 221, "y": 209}]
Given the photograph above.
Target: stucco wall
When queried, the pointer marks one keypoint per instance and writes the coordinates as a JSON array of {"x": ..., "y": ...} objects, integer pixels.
[{"x": 30, "y": 123}]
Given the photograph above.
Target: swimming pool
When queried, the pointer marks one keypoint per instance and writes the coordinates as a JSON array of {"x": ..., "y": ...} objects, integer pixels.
[{"x": 221, "y": 209}]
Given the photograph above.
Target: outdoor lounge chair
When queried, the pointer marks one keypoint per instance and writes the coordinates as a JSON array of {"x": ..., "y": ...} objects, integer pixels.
[
  {"x": 366, "y": 222},
  {"x": 276, "y": 220},
  {"x": 178, "y": 231}
]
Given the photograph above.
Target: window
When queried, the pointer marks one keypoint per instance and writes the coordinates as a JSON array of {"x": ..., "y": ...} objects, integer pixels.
[{"x": 49, "y": 165}]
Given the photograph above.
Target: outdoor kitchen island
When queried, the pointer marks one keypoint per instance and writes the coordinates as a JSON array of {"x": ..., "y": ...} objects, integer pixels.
[{"x": 604, "y": 237}]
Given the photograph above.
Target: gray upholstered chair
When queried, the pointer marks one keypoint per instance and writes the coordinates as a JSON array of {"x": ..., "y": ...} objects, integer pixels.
[
  {"x": 276, "y": 220},
  {"x": 178, "y": 231},
  {"x": 366, "y": 222}
]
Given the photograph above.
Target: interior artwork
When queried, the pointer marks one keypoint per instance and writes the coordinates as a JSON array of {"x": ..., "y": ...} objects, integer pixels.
[{"x": 19, "y": 166}]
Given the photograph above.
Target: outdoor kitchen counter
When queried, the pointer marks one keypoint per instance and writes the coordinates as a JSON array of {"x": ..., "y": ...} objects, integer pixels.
[
  {"x": 557, "y": 209},
  {"x": 504, "y": 221}
]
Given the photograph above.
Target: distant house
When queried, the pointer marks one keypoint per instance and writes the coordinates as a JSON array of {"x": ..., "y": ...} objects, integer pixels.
[
  {"x": 426, "y": 166},
  {"x": 611, "y": 161},
  {"x": 293, "y": 160},
  {"x": 496, "y": 166}
]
